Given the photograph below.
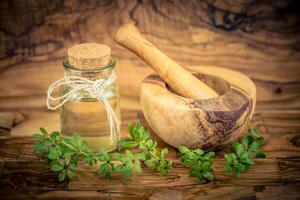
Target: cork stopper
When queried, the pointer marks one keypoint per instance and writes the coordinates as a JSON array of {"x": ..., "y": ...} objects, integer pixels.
[{"x": 88, "y": 56}]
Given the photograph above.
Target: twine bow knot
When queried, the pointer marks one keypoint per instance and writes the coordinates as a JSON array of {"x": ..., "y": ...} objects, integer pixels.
[{"x": 98, "y": 88}]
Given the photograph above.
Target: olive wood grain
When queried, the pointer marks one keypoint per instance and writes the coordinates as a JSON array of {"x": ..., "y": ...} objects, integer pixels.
[
  {"x": 23, "y": 176},
  {"x": 176, "y": 76},
  {"x": 208, "y": 124}
]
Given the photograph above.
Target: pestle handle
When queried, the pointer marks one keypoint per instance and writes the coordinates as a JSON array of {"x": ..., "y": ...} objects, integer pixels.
[{"x": 179, "y": 79}]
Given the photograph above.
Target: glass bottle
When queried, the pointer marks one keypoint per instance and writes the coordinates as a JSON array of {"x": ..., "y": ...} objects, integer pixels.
[{"x": 84, "y": 114}]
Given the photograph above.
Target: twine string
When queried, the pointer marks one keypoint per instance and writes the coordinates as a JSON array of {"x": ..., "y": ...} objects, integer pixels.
[{"x": 94, "y": 88}]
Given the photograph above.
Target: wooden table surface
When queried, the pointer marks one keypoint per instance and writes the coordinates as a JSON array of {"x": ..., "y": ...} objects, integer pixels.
[
  {"x": 275, "y": 177},
  {"x": 257, "y": 38}
]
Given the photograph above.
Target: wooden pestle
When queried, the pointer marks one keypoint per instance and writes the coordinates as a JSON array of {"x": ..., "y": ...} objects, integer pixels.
[{"x": 179, "y": 79}]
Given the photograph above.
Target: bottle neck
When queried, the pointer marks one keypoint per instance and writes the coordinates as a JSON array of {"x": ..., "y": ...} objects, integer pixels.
[{"x": 91, "y": 74}]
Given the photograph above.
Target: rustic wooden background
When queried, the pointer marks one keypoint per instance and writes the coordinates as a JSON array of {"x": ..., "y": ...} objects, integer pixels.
[{"x": 258, "y": 38}]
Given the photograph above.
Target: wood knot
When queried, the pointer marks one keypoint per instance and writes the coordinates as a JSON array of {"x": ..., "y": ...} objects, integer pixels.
[{"x": 296, "y": 141}]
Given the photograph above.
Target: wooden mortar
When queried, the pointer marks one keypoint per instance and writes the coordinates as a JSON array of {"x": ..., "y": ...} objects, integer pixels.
[
  {"x": 207, "y": 109},
  {"x": 206, "y": 124}
]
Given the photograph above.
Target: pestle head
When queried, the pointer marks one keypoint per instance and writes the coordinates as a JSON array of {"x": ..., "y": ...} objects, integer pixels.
[
  {"x": 88, "y": 56},
  {"x": 125, "y": 30}
]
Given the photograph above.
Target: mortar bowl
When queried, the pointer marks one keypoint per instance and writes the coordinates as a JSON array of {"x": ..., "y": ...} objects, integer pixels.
[{"x": 208, "y": 124}]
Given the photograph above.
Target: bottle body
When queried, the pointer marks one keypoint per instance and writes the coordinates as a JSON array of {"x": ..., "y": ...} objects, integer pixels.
[{"x": 86, "y": 115}]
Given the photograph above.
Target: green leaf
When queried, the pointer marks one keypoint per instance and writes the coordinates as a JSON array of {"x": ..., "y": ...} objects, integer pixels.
[
  {"x": 199, "y": 152},
  {"x": 54, "y": 135},
  {"x": 164, "y": 153},
  {"x": 143, "y": 145},
  {"x": 38, "y": 136},
  {"x": 90, "y": 159},
  {"x": 241, "y": 167},
  {"x": 149, "y": 143},
  {"x": 53, "y": 154},
  {"x": 118, "y": 156},
  {"x": 39, "y": 147},
  {"x": 129, "y": 155},
  {"x": 209, "y": 176},
  {"x": 129, "y": 166},
  {"x": 253, "y": 132},
  {"x": 234, "y": 146},
  {"x": 140, "y": 156},
  {"x": 119, "y": 168},
  {"x": 200, "y": 178},
  {"x": 127, "y": 173},
  {"x": 62, "y": 175},
  {"x": 155, "y": 153},
  {"x": 84, "y": 147},
  {"x": 140, "y": 133},
  {"x": 102, "y": 168},
  {"x": 78, "y": 141},
  {"x": 255, "y": 146},
  {"x": 72, "y": 166},
  {"x": 44, "y": 132},
  {"x": 154, "y": 145},
  {"x": 67, "y": 159},
  {"x": 236, "y": 172},
  {"x": 164, "y": 167},
  {"x": 127, "y": 144},
  {"x": 184, "y": 159},
  {"x": 227, "y": 168},
  {"x": 57, "y": 167},
  {"x": 144, "y": 134},
  {"x": 135, "y": 132},
  {"x": 130, "y": 129},
  {"x": 206, "y": 166},
  {"x": 209, "y": 155},
  {"x": 239, "y": 149},
  {"x": 260, "y": 154},
  {"x": 138, "y": 168},
  {"x": 70, "y": 174},
  {"x": 245, "y": 142},
  {"x": 104, "y": 156},
  {"x": 150, "y": 163},
  {"x": 183, "y": 149},
  {"x": 70, "y": 143},
  {"x": 229, "y": 158},
  {"x": 107, "y": 174},
  {"x": 245, "y": 158},
  {"x": 61, "y": 161}
]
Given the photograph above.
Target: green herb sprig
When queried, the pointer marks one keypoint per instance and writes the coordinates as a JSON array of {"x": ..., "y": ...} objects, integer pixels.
[
  {"x": 129, "y": 162},
  {"x": 63, "y": 154},
  {"x": 247, "y": 148},
  {"x": 152, "y": 157},
  {"x": 199, "y": 162}
]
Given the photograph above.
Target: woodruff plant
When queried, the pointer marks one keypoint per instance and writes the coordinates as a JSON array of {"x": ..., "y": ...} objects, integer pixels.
[
  {"x": 243, "y": 152},
  {"x": 63, "y": 154},
  {"x": 199, "y": 162}
]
